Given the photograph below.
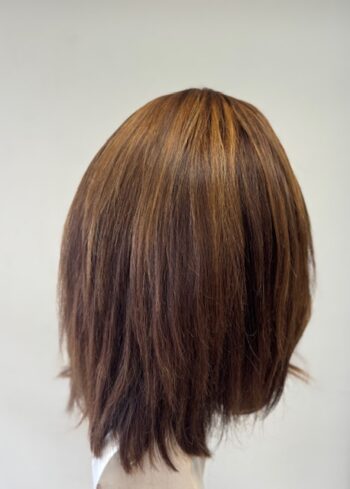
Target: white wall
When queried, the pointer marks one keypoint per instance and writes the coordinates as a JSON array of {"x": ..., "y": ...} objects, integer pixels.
[{"x": 71, "y": 72}]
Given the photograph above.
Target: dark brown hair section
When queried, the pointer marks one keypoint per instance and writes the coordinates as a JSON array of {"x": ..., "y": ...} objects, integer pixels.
[{"x": 185, "y": 275}]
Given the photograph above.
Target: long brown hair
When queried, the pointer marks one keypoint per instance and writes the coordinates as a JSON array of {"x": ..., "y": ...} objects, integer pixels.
[{"x": 185, "y": 275}]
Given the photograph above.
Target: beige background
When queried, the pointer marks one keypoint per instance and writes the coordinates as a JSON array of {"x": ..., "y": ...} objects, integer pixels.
[{"x": 71, "y": 72}]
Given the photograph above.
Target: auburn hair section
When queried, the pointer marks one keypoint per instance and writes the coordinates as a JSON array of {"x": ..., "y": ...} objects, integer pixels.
[{"x": 185, "y": 278}]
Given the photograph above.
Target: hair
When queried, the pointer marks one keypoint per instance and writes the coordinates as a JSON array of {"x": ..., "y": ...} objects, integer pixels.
[{"x": 185, "y": 276}]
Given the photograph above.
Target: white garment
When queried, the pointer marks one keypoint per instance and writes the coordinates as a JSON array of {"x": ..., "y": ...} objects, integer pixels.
[
  {"x": 191, "y": 472},
  {"x": 99, "y": 463}
]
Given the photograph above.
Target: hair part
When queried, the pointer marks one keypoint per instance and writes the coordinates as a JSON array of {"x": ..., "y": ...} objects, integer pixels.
[{"x": 185, "y": 275}]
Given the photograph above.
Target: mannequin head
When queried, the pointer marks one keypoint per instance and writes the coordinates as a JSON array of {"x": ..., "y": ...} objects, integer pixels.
[{"x": 185, "y": 275}]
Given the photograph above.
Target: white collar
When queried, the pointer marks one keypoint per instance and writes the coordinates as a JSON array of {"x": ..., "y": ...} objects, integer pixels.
[{"x": 98, "y": 464}]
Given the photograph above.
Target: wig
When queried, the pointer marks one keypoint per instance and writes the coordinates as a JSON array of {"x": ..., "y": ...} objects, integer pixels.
[{"x": 185, "y": 277}]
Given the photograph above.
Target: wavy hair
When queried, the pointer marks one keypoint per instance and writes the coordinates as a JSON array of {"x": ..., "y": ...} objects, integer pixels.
[{"x": 185, "y": 276}]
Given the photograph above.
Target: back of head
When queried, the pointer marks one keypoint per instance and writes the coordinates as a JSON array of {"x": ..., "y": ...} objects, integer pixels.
[{"x": 185, "y": 275}]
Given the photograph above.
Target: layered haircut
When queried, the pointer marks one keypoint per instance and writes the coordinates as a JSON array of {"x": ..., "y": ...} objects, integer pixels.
[{"x": 185, "y": 278}]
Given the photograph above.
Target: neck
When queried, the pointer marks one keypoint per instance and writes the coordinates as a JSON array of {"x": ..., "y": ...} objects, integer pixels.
[{"x": 156, "y": 475}]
